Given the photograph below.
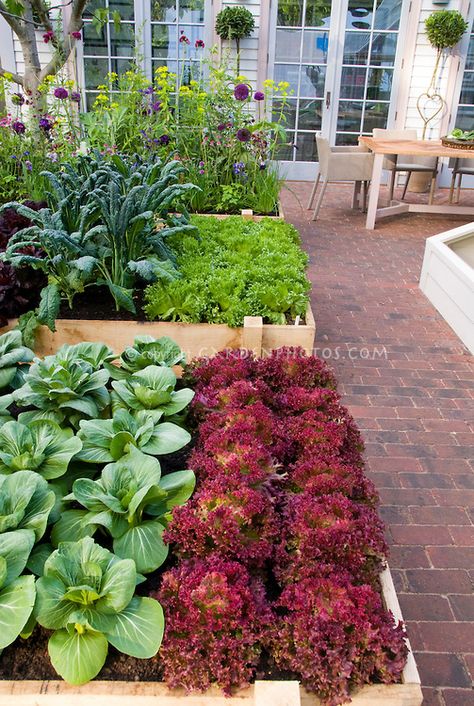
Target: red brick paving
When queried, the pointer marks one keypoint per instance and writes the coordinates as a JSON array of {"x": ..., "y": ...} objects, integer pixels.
[{"x": 408, "y": 380}]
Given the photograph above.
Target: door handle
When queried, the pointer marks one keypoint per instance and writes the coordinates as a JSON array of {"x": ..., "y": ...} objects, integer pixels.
[{"x": 328, "y": 99}]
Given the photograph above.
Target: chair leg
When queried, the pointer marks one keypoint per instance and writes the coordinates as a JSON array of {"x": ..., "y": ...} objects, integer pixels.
[
  {"x": 458, "y": 193},
  {"x": 355, "y": 195},
  {"x": 451, "y": 188},
  {"x": 393, "y": 176},
  {"x": 313, "y": 192},
  {"x": 406, "y": 185},
  {"x": 432, "y": 188},
  {"x": 320, "y": 199},
  {"x": 364, "y": 196}
]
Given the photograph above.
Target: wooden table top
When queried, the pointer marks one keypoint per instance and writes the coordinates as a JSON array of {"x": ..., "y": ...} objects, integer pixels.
[{"x": 421, "y": 148}]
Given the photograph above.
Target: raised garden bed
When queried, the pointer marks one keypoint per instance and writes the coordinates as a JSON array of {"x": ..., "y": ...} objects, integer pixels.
[
  {"x": 248, "y": 214},
  {"x": 262, "y": 693},
  {"x": 194, "y": 339}
]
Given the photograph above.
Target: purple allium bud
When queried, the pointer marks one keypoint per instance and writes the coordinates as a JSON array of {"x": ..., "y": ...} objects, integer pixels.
[
  {"x": 199, "y": 44},
  {"x": 156, "y": 106},
  {"x": 75, "y": 97},
  {"x": 60, "y": 93},
  {"x": 18, "y": 127},
  {"x": 165, "y": 139},
  {"x": 244, "y": 135},
  {"x": 241, "y": 92},
  {"x": 45, "y": 124},
  {"x": 28, "y": 165},
  {"x": 259, "y": 96}
]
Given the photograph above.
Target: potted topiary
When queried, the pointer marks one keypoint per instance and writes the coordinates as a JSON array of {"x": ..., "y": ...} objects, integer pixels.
[
  {"x": 444, "y": 29},
  {"x": 235, "y": 23}
]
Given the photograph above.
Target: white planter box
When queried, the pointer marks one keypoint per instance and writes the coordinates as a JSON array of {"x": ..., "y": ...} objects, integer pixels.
[{"x": 447, "y": 279}]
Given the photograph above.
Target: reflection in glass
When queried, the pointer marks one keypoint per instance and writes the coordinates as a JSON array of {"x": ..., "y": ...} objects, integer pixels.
[
  {"x": 287, "y": 72},
  {"x": 356, "y": 48},
  {"x": 92, "y": 6},
  {"x": 350, "y": 115},
  {"x": 380, "y": 84},
  {"x": 287, "y": 47},
  {"x": 310, "y": 115},
  {"x": 467, "y": 90},
  {"x": 312, "y": 81},
  {"x": 124, "y": 7},
  {"x": 95, "y": 71},
  {"x": 119, "y": 66},
  {"x": 383, "y": 51},
  {"x": 285, "y": 151},
  {"x": 465, "y": 117},
  {"x": 353, "y": 82},
  {"x": 164, "y": 11},
  {"x": 470, "y": 55},
  {"x": 318, "y": 13},
  {"x": 122, "y": 41},
  {"x": 387, "y": 14},
  {"x": 315, "y": 47},
  {"x": 162, "y": 36},
  {"x": 376, "y": 115},
  {"x": 95, "y": 44},
  {"x": 290, "y": 13},
  {"x": 306, "y": 147},
  {"x": 344, "y": 138},
  {"x": 289, "y": 113},
  {"x": 191, "y": 10},
  {"x": 359, "y": 14}
]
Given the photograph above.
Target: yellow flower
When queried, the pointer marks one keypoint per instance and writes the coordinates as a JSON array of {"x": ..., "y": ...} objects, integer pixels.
[
  {"x": 8, "y": 76},
  {"x": 114, "y": 105},
  {"x": 162, "y": 70},
  {"x": 269, "y": 83},
  {"x": 193, "y": 83},
  {"x": 184, "y": 89},
  {"x": 283, "y": 85},
  {"x": 69, "y": 84},
  {"x": 241, "y": 78},
  {"x": 112, "y": 76}
]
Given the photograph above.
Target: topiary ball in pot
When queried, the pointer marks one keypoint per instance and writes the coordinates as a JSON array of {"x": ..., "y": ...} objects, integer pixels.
[{"x": 235, "y": 23}]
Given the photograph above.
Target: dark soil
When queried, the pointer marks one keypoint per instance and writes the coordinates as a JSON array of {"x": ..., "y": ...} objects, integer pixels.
[{"x": 98, "y": 303}]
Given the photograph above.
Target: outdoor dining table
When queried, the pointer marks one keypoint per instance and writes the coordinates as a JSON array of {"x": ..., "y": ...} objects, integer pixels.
[{"x": 418, "y": 148}]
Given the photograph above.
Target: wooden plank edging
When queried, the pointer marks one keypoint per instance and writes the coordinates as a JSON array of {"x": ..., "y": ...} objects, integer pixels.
[{"x": 261, "y": 693}]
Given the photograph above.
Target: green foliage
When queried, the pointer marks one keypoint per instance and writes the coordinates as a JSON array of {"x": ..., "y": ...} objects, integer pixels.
[
  {"x": 17, "y": 592},
  {"x": 146, "y": 351},
  {"x": 235, "y": 268},
  {"x": 132, "y": 503},
  {"x": 234, "y": 23},
  {"x": 444, "y": 28},
  {"x": 14, "y": 357},
  {"x": 86, "y": 595},
  {"x": 25, "y": 503}
]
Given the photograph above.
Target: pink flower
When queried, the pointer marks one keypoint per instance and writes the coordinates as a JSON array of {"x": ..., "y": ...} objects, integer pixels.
[
  {"x": 76, "y": 35},
  {"x": 199, "y": 44},
  {"x": 48, "y": 37}
]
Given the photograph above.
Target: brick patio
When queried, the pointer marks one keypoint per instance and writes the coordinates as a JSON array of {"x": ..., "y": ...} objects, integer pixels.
[{"x": 408, "y": 381}]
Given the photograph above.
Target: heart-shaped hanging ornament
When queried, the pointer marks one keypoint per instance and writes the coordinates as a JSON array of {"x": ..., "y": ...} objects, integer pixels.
[{"x": 429, "y": 106}]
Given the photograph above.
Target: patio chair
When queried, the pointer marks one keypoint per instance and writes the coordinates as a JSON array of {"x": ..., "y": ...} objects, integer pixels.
[
  {"x": 460, "y": 167},
  {"x": 408, "y": 163},
  {"x": 340, "y": 164}
]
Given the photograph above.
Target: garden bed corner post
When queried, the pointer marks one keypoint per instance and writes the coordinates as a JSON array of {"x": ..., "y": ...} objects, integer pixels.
[{"x": 252, "y": 334}]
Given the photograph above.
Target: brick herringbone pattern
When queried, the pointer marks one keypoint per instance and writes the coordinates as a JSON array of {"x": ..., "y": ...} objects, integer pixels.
[{"x": 408, "y": 381}]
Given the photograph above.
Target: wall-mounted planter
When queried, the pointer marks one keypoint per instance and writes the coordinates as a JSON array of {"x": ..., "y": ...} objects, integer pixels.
[
  {"x": 447, "y": 279},
  {"x": 262, "y": 693},
  {"x": 194, "y": 339}
]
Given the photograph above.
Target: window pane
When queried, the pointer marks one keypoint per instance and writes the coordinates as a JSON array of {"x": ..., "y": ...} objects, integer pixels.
[
  {"x": 163, "y": 40},
  {"x": 94, "y": 44},
  {"x": 470, "y": 55},
  {"x": 193, "y": 34},
  {"x": 122, "y": 42},
  {"x": 119, "y": 66},
  {"x": 467, "y": 92},
  {"x": 124, "y": 7},
  {"x": 465, "y": 117},
  {"x": 345, "y": 138},
  {"x": 95, "y": 71},
  {"x": 312, "y": 81},
  {"x": 353, "y": 82},
  {"x": 359, "y": 15},
  {"x": 287, "y": 72},
  {"x": 380, "y": 84},
  {"x": 350, "y": 115},
  {"x": 286, "y": 151},
  {"x": 356, "y": 48},
  {"x": 191, "y": 10},
  {"x": 172, "y": 65},
  {"x": 164, "y": 11},
  {"x": 383, "y": 51},
  {"x": 288, "y": 43},
  {"x": 92, "y": 6},
  {"x": 315, "y": 47},
  {"x": 310, "y": 114},
  {"x": 376, "y": 115},
  {"x": 318, "y": 13},
  {"x": 290, "y": 13},
  {"x": 288, "y": 111},
  {"x": 387, "y": 15},
  {"x": 306, "y": 147}
]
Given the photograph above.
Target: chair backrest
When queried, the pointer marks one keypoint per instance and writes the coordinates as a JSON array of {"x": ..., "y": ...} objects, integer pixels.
[
  {"x": 460, "y": 164},
  {"x": 324, "y": 152}
]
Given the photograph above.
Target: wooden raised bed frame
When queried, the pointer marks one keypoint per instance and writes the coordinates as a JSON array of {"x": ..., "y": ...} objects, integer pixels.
[
  {"x": 195, "y": 340},
  {"x": 262, "y": 693}
]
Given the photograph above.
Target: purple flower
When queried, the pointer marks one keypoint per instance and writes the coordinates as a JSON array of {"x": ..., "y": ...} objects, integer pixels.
[
  {"x": 238, "y": 168},
  {"x": 241, "y": 92},
  {"x": 156, "y": 106},
  {"x": 222, "y": 126},
  {"x": 148, "y": 91},
  {"x": 201, "y": 171},
  {"x": 28, "y": 165},
  {"x": 18, "y": 127},
  {"x": 75, "y": 97},
  {"x": 48, "y": 37},
  {"x": 201, "y": 164},
  {"x": 45, "y": 124},
  {"x": 18, "y": 99},
  {"x": 199, "y": 44},
  {"x": 262, "y": 166},
  {"x": 60, "y": 93},
  {"x": 259, "y": 96},
  {"x": 76, "y": 35},
  {"x": 183, "y": 39},
  {"x": 165, "y": 139},
  {"x": 243, "y": 135}
]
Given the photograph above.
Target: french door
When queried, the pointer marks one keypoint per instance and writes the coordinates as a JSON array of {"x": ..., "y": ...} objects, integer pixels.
[{"x": 342, "y": 60}]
